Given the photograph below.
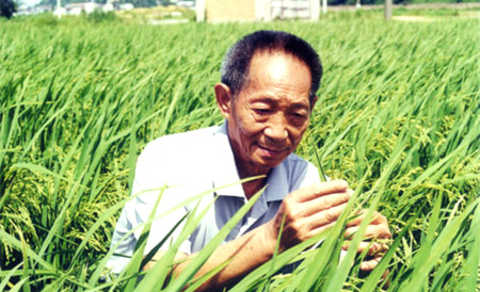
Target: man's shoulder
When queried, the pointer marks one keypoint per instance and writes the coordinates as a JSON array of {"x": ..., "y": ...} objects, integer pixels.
[
  {"x": 175, "y": 138},
  {"x": 175, "y": 159},
  {"x": 177, "y": 143},
  {"x": 293, "y": 160}
]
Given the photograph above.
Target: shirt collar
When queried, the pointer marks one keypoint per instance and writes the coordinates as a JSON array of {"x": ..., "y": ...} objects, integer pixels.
[{"x": 225, "y": 171}]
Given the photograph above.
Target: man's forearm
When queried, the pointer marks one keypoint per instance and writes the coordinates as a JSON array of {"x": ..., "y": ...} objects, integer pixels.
[{"x": 245, "y": 253}]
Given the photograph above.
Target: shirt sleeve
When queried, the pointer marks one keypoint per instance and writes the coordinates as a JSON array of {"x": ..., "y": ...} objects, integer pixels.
[
  {"x": 124, "y": 248},
  {"x": 150, "y": 178}
]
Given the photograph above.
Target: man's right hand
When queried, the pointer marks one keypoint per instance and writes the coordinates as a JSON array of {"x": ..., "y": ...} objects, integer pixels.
[{"x": 309, "y": 211}]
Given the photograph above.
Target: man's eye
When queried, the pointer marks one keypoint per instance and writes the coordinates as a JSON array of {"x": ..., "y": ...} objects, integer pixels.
[
  {"x": 298, "y": 119},
  {"x": 262, "y": 111},
  {"x": 299, "y": 116}
]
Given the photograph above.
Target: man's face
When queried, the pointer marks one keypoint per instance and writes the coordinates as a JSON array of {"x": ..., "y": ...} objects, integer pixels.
[{"x": 270, "y": 114}]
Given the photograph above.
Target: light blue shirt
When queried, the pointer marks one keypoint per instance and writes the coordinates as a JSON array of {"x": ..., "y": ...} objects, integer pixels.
[{"x": 191, "y": 163}]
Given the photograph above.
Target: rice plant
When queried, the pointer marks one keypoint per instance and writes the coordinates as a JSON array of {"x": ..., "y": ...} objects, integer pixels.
[{"x": 398, "y": 117}]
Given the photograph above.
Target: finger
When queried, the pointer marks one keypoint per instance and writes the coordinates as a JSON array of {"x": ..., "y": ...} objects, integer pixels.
[
  {"x": 372, "y": 231},
  {"x": 357, "y": 220},
  {"x": 385, "y": 279},
  {"x": 325, "y": 202},
  {"x": 370, "y": 264},
  {"x": 372, "y": 247},
  {"x": 325, "y": 217},
  {"x": 376, "y": 218},
  {"x": 319, "y": 230},
  {"x": 321, "y": 189},
  {"x": 385, "y": 274},
  {"x": 379, "y": 219}
]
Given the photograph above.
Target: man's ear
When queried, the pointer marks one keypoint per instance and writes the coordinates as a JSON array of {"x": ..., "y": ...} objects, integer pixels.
[{"x": 224, "y": 99}]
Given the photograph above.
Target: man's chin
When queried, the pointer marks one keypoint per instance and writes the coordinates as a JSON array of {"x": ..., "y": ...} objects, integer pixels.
[
  {"x": 269, "y": 163},
  {"x": 262, "y": 164},
  {"x": 269, "y": 155}
]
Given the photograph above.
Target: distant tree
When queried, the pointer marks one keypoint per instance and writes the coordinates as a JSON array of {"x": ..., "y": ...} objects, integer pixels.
[
  {"x": 51, "y": 3},
  {"x": 7, "y": 8},
  {"x": 143, "y": 3},
  {"x": 45, "y": 2},
  {"x": 164, "y": 2},
  {"x": 139, "y": 3}
]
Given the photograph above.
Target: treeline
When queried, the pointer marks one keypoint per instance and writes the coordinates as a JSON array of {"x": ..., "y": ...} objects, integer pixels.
[
  {"x": 136, "y": 3},
  {"x": 150, "y": 3},
  {"x": 372, "y": 2}
]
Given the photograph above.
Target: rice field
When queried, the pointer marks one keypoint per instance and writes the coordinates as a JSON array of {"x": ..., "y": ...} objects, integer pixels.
[{"x": 398, "y": 117}]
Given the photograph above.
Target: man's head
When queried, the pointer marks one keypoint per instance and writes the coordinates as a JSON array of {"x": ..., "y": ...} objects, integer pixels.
[
  {"x": 266, "y": 95},
  {"x": 237, "y": 60}
]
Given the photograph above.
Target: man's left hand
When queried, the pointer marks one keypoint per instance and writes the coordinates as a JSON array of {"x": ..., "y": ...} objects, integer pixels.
[{"x": 375, "y": 237}]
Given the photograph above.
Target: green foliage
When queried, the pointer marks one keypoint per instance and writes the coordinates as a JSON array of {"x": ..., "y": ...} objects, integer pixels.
[
  {"x": 398, "y": 116},
  {"x": 44, "y": 19}
]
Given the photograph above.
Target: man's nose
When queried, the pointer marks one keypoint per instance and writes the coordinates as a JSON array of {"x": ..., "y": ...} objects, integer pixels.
[{"x": 276, "y": 129}]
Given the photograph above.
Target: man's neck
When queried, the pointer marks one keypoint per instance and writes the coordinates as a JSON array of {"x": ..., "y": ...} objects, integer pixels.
[{"x": 252, "y": 187}]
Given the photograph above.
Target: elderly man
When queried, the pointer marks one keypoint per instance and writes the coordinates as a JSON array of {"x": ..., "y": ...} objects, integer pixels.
[{"x": 267, "y": 93}]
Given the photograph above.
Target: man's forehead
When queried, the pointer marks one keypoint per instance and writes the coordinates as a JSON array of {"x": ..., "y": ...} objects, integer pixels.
[
  {"x": 274, "y": 65},
  {"x": 276, "y": 58}
]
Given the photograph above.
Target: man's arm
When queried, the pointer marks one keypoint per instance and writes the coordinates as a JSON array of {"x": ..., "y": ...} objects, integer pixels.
[
  {"x": 307, "y": 212},
  {"x": 245, "y": 252}
]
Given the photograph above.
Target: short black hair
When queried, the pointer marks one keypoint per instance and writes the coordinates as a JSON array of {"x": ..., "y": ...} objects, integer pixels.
[{"x": 236, "y": 63}]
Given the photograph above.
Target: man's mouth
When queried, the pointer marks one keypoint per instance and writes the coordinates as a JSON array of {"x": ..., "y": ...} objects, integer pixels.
[{"x": 271, "y": 151}]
